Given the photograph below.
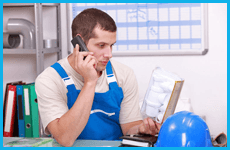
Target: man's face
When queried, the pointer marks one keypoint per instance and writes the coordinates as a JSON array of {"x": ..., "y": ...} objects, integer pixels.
[{"x": 101, "y": 45}]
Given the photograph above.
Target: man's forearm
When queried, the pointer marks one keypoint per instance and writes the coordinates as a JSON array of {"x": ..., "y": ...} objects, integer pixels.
[
  {"x": 147, "y": 126},
  {"x": 133, "y": 130},
  {"x": 72, "y": 123}
]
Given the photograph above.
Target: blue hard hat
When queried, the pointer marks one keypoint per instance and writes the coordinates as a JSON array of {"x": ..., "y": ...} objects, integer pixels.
[{"x": 184, "y": 129}]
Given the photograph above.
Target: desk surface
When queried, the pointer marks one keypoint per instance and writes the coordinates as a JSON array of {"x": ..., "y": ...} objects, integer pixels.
[{"x": 50, "y": 142}]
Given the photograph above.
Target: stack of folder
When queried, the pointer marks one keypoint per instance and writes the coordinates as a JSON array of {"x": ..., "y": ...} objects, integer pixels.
[{"x": 20, "y": 110}]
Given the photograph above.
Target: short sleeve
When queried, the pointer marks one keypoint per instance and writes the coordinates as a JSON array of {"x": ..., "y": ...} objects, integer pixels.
[
  {"x": 51, "y": 96},
  {"x": 130, "y": 109}
]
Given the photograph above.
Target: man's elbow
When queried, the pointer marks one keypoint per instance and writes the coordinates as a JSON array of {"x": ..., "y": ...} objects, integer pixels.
[
  {"x": 65, "y": 141},
  {"x": 67, "y": 144}
]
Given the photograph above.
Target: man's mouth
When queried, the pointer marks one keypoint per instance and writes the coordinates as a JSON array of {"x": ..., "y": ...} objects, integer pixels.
[{"x": 104, "y": 62}]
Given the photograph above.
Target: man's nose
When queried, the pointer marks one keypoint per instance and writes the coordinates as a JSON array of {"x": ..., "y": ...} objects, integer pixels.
[{"x": 108, "y": 52}]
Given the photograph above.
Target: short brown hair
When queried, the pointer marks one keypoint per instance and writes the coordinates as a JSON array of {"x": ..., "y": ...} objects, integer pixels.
[{"x": 85, "y": 22}]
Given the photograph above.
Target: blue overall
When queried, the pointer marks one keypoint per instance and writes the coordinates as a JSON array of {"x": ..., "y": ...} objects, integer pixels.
[{"x": 103, "y": 123}]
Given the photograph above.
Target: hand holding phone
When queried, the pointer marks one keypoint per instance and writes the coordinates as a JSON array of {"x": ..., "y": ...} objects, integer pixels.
[
  {"x": 82, "y": 47},
  {"x": 78, "y": 40},
  {"x": 87, "y": 72}
]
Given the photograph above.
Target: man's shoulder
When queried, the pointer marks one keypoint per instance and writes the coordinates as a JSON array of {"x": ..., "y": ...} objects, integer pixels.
[
  {"x": 118, "y": 66},
  {"x": 50, "y": 73},
  {"x": 122, "y": 72}
]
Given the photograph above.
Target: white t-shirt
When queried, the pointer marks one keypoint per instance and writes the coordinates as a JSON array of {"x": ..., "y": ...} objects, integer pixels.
[{"x": 52, "y": 99}]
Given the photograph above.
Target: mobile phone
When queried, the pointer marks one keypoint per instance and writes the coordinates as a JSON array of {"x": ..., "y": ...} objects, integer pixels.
[{"x": 78, "y": 40}]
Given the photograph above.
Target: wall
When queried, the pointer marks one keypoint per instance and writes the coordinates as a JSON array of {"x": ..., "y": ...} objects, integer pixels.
[{"x": 205, "y": 76}]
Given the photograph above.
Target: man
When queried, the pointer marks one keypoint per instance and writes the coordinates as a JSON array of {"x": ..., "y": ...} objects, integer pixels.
[{"x": 92, "y": 98}]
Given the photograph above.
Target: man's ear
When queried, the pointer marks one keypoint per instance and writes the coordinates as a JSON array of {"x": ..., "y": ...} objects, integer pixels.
[{"x": 80, "y": 36}]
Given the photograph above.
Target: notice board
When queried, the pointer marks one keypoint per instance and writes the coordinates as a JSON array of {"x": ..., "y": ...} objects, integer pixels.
[{"x": 155, "y": 28}]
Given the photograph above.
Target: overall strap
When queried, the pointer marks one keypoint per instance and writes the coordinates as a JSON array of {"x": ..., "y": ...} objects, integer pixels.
[
  {"x": 111, "y": 79},
  {"x": 66, "y": 79}
]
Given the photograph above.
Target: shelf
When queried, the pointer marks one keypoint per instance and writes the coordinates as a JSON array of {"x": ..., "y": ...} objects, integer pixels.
[
  {"x": 27, "y": 4},
  {"x": 51, "y": 50},
  {"x": 30, "y": 51},
  {"x": 39, "y": 51},
  {"x": 17, "y": 4}
]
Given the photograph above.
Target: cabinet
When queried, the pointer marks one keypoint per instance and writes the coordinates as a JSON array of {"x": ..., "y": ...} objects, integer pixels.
[{"x": 39, "y": 49}]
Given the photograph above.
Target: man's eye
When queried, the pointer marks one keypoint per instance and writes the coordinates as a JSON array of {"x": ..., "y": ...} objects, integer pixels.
[{"x": 101, "y": 45}]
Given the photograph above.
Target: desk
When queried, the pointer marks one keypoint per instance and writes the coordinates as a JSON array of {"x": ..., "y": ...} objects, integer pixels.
[{"x": 50, "y": 142}]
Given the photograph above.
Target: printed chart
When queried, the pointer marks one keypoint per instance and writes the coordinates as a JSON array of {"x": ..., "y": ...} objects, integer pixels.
[{"x": 153, "y": 26}]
